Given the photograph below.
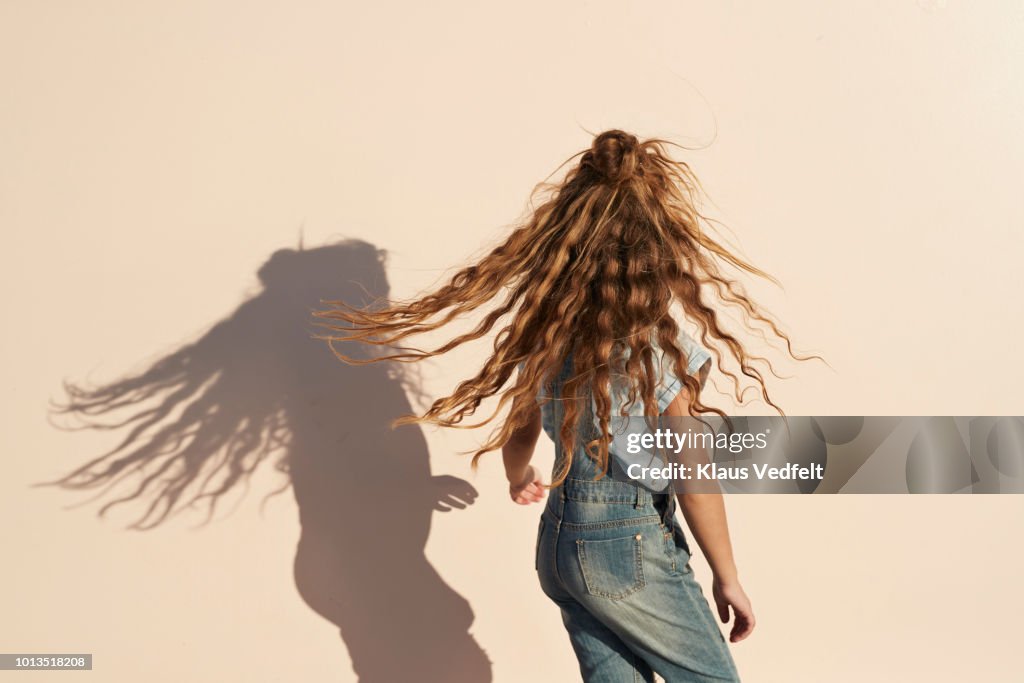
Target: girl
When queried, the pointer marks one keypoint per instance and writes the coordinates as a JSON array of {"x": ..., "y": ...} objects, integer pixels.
[{"x": 586, "y": 288}]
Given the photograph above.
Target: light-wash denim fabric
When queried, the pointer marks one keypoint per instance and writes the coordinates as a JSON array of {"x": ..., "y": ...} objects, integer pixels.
[
  {"x": 667, "y": 388},
  {"x": 615, "y": 560},
  {"x": 668, "y": 384}
]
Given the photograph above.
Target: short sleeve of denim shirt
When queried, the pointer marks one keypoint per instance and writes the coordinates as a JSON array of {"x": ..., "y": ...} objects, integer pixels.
[
  {"x": 547, "y": 409},
  {"x": 670, "y": 385}
]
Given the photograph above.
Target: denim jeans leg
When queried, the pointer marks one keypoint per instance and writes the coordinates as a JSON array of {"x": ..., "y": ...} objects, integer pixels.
[
  {"x": 602, "y": 655},
  {"x": 658, "y": 612}
]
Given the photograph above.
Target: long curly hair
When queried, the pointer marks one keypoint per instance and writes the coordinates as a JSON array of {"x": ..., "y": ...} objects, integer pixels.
[{"x": 593, "y": 271}]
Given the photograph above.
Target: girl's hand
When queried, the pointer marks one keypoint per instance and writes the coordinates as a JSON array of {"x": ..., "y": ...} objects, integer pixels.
[
  {"x": 528, "y": 489},
  {"x": 731, "y": 595}
]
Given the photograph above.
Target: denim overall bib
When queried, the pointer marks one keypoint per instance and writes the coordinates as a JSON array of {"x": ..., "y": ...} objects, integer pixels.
[{"x": 615, "y": 560}]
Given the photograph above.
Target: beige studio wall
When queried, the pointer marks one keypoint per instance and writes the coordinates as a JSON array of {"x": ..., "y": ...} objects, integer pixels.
[{"x": 163, "y": 162}]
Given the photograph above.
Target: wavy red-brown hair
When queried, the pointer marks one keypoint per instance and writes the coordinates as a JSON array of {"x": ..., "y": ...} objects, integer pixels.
[{"x": 595, "y": 270}]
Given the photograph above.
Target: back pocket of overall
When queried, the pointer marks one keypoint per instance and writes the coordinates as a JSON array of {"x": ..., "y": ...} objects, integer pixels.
[{"x": 612, "y": 568}]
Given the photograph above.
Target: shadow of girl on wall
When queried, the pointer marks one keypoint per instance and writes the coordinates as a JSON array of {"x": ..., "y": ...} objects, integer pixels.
[{"x": 258, "y": 387}]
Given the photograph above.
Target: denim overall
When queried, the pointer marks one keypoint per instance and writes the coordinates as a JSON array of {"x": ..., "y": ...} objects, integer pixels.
[{"x": 614, "y": 559}]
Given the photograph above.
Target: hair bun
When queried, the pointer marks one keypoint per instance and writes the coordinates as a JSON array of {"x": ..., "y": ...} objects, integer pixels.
[{"x": 615, "y": 155}]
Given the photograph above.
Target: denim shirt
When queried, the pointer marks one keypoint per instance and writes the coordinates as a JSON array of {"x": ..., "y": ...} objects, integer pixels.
[{"x": 665, "y": 392}]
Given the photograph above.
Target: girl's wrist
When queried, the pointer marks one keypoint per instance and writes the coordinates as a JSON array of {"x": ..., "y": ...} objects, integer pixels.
[
  {"x": 726, "y": 577},
  {"x": 722, "y": 564},
  {"x": 516, "y": 475}
]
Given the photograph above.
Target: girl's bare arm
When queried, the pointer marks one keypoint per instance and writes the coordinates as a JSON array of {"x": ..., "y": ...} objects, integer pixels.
[
  {"x": 705, "y": 516},
  {"x": 525, "y": 485}
]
